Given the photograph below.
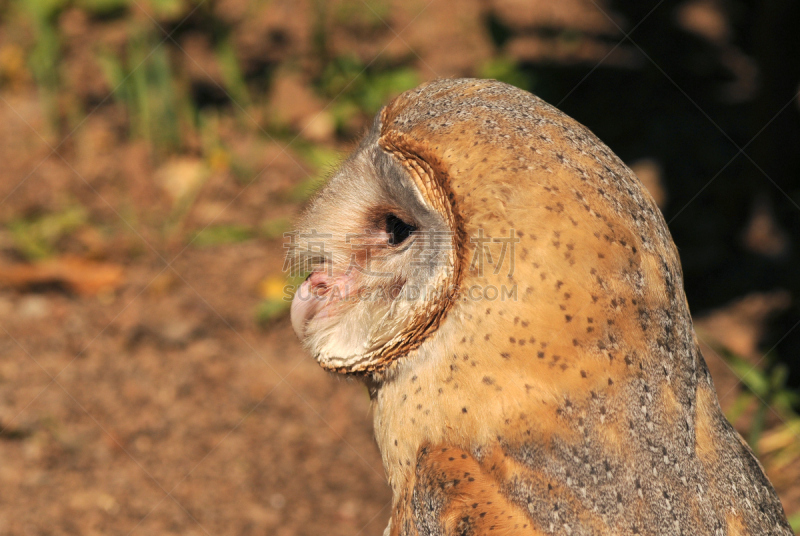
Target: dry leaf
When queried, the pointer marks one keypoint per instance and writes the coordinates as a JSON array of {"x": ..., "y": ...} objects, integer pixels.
[{"x": 75, "y": 274}]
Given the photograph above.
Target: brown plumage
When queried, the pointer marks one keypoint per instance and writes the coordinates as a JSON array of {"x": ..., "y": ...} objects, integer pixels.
[{"x": 554, "y": 388}]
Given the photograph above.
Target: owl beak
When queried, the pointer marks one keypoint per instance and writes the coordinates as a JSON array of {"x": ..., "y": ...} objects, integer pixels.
[
  {"x": 317, "y": 291},
  {"x": 305, "y": 305}
]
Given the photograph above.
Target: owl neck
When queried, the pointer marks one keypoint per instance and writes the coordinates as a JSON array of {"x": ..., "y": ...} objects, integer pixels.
[{"x": 449, "y": 394}]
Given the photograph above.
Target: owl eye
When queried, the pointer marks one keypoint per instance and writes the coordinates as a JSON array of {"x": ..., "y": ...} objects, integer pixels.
[{"x": 398, "y": 230}]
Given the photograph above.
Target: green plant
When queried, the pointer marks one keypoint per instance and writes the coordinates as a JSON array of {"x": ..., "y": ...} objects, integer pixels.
[
  {"x": 43, "y": 59},
  {"x": 221, "y": 234},
  {"x": 766, "y": 388},
  {"x": 764, "y": 391},
  {"x": 232, "y": 75},
  {"x": 104, "y": 8},
  {"x": 366, "y": 16},
  {"x": 361, "y": 89},
  {"x": 143, "y": 80},
  {"x": 36, "y": 238},
  {"x": 794, "y": 521},
  {"x": 275, "y": 228},
  {"x": 506, "y": 70}
]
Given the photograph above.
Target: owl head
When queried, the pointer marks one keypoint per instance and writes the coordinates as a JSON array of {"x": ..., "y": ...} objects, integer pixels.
[{"x": 473, "y": 210}]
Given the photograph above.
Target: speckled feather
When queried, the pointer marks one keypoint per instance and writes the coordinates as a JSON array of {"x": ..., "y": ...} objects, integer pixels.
[{"x": 581, "y": 403}]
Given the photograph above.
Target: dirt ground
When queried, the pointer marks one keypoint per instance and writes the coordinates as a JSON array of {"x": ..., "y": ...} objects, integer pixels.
[{"x": 150, "y": 381}]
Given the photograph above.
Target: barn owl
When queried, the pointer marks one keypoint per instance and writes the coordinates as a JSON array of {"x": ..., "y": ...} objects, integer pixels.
[{"x": 512, "y": 298}]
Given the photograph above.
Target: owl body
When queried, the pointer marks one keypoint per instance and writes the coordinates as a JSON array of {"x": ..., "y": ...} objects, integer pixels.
[{"x": 544, "y": 377}]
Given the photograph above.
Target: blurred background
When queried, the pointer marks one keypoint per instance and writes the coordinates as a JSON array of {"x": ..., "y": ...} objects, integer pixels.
[{"x": 153, "y": 153}]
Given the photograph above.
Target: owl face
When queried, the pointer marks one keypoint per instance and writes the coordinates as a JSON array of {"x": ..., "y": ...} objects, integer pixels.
[{"x": 381, "y": 258}]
